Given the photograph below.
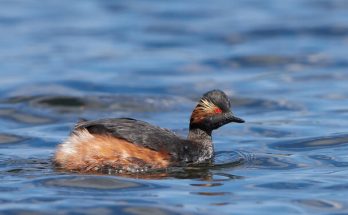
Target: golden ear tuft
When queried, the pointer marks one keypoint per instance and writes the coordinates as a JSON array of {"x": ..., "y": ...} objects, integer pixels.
[
  {"x": 207, "y": 105},
  {"x": 204, "y": 109}
]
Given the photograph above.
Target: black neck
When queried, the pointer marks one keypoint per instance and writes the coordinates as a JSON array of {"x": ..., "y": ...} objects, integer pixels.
[
  {"x": 199, "y": 135},
  {"x": 203, "y": 139}
]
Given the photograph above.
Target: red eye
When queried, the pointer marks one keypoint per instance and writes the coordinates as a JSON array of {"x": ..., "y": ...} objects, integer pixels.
[{"x": 218, "y": 110}]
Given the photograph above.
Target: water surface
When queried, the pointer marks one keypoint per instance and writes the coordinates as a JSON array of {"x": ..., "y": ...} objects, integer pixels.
[{"x": 284, "y": 64}]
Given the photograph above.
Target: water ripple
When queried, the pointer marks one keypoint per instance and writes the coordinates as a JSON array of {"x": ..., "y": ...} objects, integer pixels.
[
  {"x": 311, "y": 143},
  {"x": 90, "y": 182},
  {"x": 274, "y": 162},
  {"x": 24, "y": 117},
  {"x": 226, "y": 159},
  {"x": 329, "y": 160},
  {"x": 286, "y": 185},
  {"x": 10, "y": 138},
  {"x": 320, "y": 204},
  {"x": 125, "y": 103},
  {"x": 318, "y": 31}
]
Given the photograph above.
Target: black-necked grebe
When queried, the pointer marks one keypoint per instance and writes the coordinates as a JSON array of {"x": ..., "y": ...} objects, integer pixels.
[{"x": 132, "y": 145}]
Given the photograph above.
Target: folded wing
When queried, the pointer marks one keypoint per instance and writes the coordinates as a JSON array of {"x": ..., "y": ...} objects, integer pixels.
[{"x": 136, "y": 132}]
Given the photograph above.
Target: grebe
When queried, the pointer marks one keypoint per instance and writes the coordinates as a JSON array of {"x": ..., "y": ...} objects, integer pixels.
[{"x": 131, "y": 145}]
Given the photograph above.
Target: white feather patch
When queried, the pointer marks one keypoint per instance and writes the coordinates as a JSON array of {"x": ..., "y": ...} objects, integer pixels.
[{"x": 69, "y": 145}]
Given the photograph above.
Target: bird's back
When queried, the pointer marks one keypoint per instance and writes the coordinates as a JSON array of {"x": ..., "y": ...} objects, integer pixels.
[
  {"x": 136, "y": 132},
  {"x": 120, "y": 143}
]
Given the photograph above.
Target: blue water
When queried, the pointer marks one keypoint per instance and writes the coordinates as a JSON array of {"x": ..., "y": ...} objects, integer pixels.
[{"x": 283, "y": 63}]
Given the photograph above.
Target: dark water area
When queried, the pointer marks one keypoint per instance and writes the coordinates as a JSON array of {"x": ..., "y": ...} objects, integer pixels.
[{"x": 283, "y": 63}]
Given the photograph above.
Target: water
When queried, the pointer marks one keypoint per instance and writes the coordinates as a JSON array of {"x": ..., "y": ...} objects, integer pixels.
[{"x": 284, "y": 64}]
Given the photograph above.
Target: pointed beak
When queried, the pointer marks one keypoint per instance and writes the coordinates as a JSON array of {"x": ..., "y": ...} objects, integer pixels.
[
  {"x": 231, "y": 118},
  {"x": 222, "y": 119}
]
